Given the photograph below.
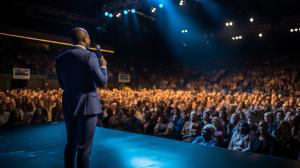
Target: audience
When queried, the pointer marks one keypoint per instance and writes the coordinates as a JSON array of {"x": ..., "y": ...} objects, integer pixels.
[
  {"x": 244, "y": 108},
  {"x": 240, "y": 121}
]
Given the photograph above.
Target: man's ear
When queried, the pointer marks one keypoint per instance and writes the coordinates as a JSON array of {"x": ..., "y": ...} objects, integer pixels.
[{"x": 84, "y": 39}]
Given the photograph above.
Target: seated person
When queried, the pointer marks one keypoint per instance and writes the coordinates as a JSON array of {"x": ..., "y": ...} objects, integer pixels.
[
  {"x": 241, "y": 139},
  {"x": 285, "y": 145},
  {"x": 207, "y": 136},
  {"x": 133, "y": 124},
  {"x": 268, "y": 117},
  {"x": 220, "y": 131},
  {"x": 164, "y": 128},
  {"x": 232, "y": 126},
  {"x": 191, "y": 128},
  {"x": 263, "y": 142}
]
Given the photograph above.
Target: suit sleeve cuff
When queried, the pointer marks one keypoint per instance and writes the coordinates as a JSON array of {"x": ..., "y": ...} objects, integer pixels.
[{"x": 104, "y": 67}]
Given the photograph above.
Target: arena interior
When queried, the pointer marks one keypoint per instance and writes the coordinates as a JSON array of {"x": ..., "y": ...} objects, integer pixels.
[{"x": 190, "y": 83}]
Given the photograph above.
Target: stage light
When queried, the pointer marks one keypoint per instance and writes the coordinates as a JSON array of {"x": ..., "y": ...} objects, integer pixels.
[
  {"x": 260, "y": 35},
  {"x": 291, "y": 30},
  {"x": 251, "y": 20},
  {"x": 295, "y": 30},
  {"x": 181, "y": 2},
  {"x": 228, "y": 24},
  {"x": 184, "y": 31},
  {"x": 118, "y": 15},
  {"x": 161, "y": 5},
  {"x": 133, "y": 11},
  {"x": 110, "y": 15},
  {"x": 125, "y": 12},
  {"x": 106, "y": 13},
  {"x": 153, "y": 10},
  {"x": 236, "y": 37}
]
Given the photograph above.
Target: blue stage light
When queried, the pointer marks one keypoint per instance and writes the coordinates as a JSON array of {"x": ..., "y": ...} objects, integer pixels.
[
  {"x": 110, "y": 15},
  {"x": 161, "y": 5},
  {"x": 184, "y": 31},
  {"x": 153, "y": 10},
  {"x": 125, "y": 12},
  {"x": 106, "y": 13},
  {"x": 133, "y": 11}
]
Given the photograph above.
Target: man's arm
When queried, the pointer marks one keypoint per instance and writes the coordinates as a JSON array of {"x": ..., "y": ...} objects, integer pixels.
[{"x": 99, "y": 73}]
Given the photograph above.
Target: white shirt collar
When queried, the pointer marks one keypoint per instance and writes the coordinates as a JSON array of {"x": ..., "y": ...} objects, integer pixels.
[{"x": 80, "y": 46}]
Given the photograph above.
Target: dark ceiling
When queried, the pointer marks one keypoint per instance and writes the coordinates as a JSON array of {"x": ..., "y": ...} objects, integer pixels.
[
  {"x": 59, "y": 16},
  {"x": 197, "y": 9}
]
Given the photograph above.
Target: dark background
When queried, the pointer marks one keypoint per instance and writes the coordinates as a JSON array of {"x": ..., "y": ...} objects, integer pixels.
[{"x": 149, "y": 46}]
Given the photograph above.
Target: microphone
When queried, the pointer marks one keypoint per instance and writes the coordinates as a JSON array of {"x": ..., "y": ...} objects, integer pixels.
[{"x": 98, "y": 51}]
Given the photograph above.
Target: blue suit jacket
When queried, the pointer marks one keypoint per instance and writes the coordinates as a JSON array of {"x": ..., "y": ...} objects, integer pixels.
[{"x": 79, "y": 75}]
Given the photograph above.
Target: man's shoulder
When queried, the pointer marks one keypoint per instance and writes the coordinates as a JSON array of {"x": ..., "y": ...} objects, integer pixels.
[
  {"x": 84, "y": 53},
  {"x": 63, "y": 54},
  {"x": 76, "y": 52}
]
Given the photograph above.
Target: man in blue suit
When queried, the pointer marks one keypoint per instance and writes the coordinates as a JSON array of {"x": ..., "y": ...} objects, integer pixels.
[{"x": 79, "y": 74}]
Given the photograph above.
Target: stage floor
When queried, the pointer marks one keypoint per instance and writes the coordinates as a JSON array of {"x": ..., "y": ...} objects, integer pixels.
[{"x": 41, "y": 146}]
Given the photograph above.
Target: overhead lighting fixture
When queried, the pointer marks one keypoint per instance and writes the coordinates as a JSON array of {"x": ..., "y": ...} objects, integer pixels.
[
  {"x": 153, "y": 10},
  {"x": 118, "y": 15},
  {"x": 237, "y": 37},
  {"x": 181, "y": 2},
  {"x": 184, "y": 31},
  {"x": 294, "y": 30},
  {"x": 260, "y": 35},
  {"x": 228, "y": 24},
  {"x": 251, "y": 19}
]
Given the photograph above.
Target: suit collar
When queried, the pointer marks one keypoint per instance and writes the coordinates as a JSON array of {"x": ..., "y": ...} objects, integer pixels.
[{"x": 79, "y": 46}]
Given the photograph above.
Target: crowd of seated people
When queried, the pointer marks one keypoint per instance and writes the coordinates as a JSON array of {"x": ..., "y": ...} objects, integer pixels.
[
  {"x": 245, "y": 108},
  {"x": 25, "y": 106},
  {"x": 248, "y": 122}
]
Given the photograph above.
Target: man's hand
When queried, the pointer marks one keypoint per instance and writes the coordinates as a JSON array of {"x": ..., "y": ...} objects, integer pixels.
[{"x": 103, "y": 62}]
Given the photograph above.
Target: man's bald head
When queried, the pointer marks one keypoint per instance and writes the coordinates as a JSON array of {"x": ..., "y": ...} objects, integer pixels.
[{"x": 80, "y": 36}]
